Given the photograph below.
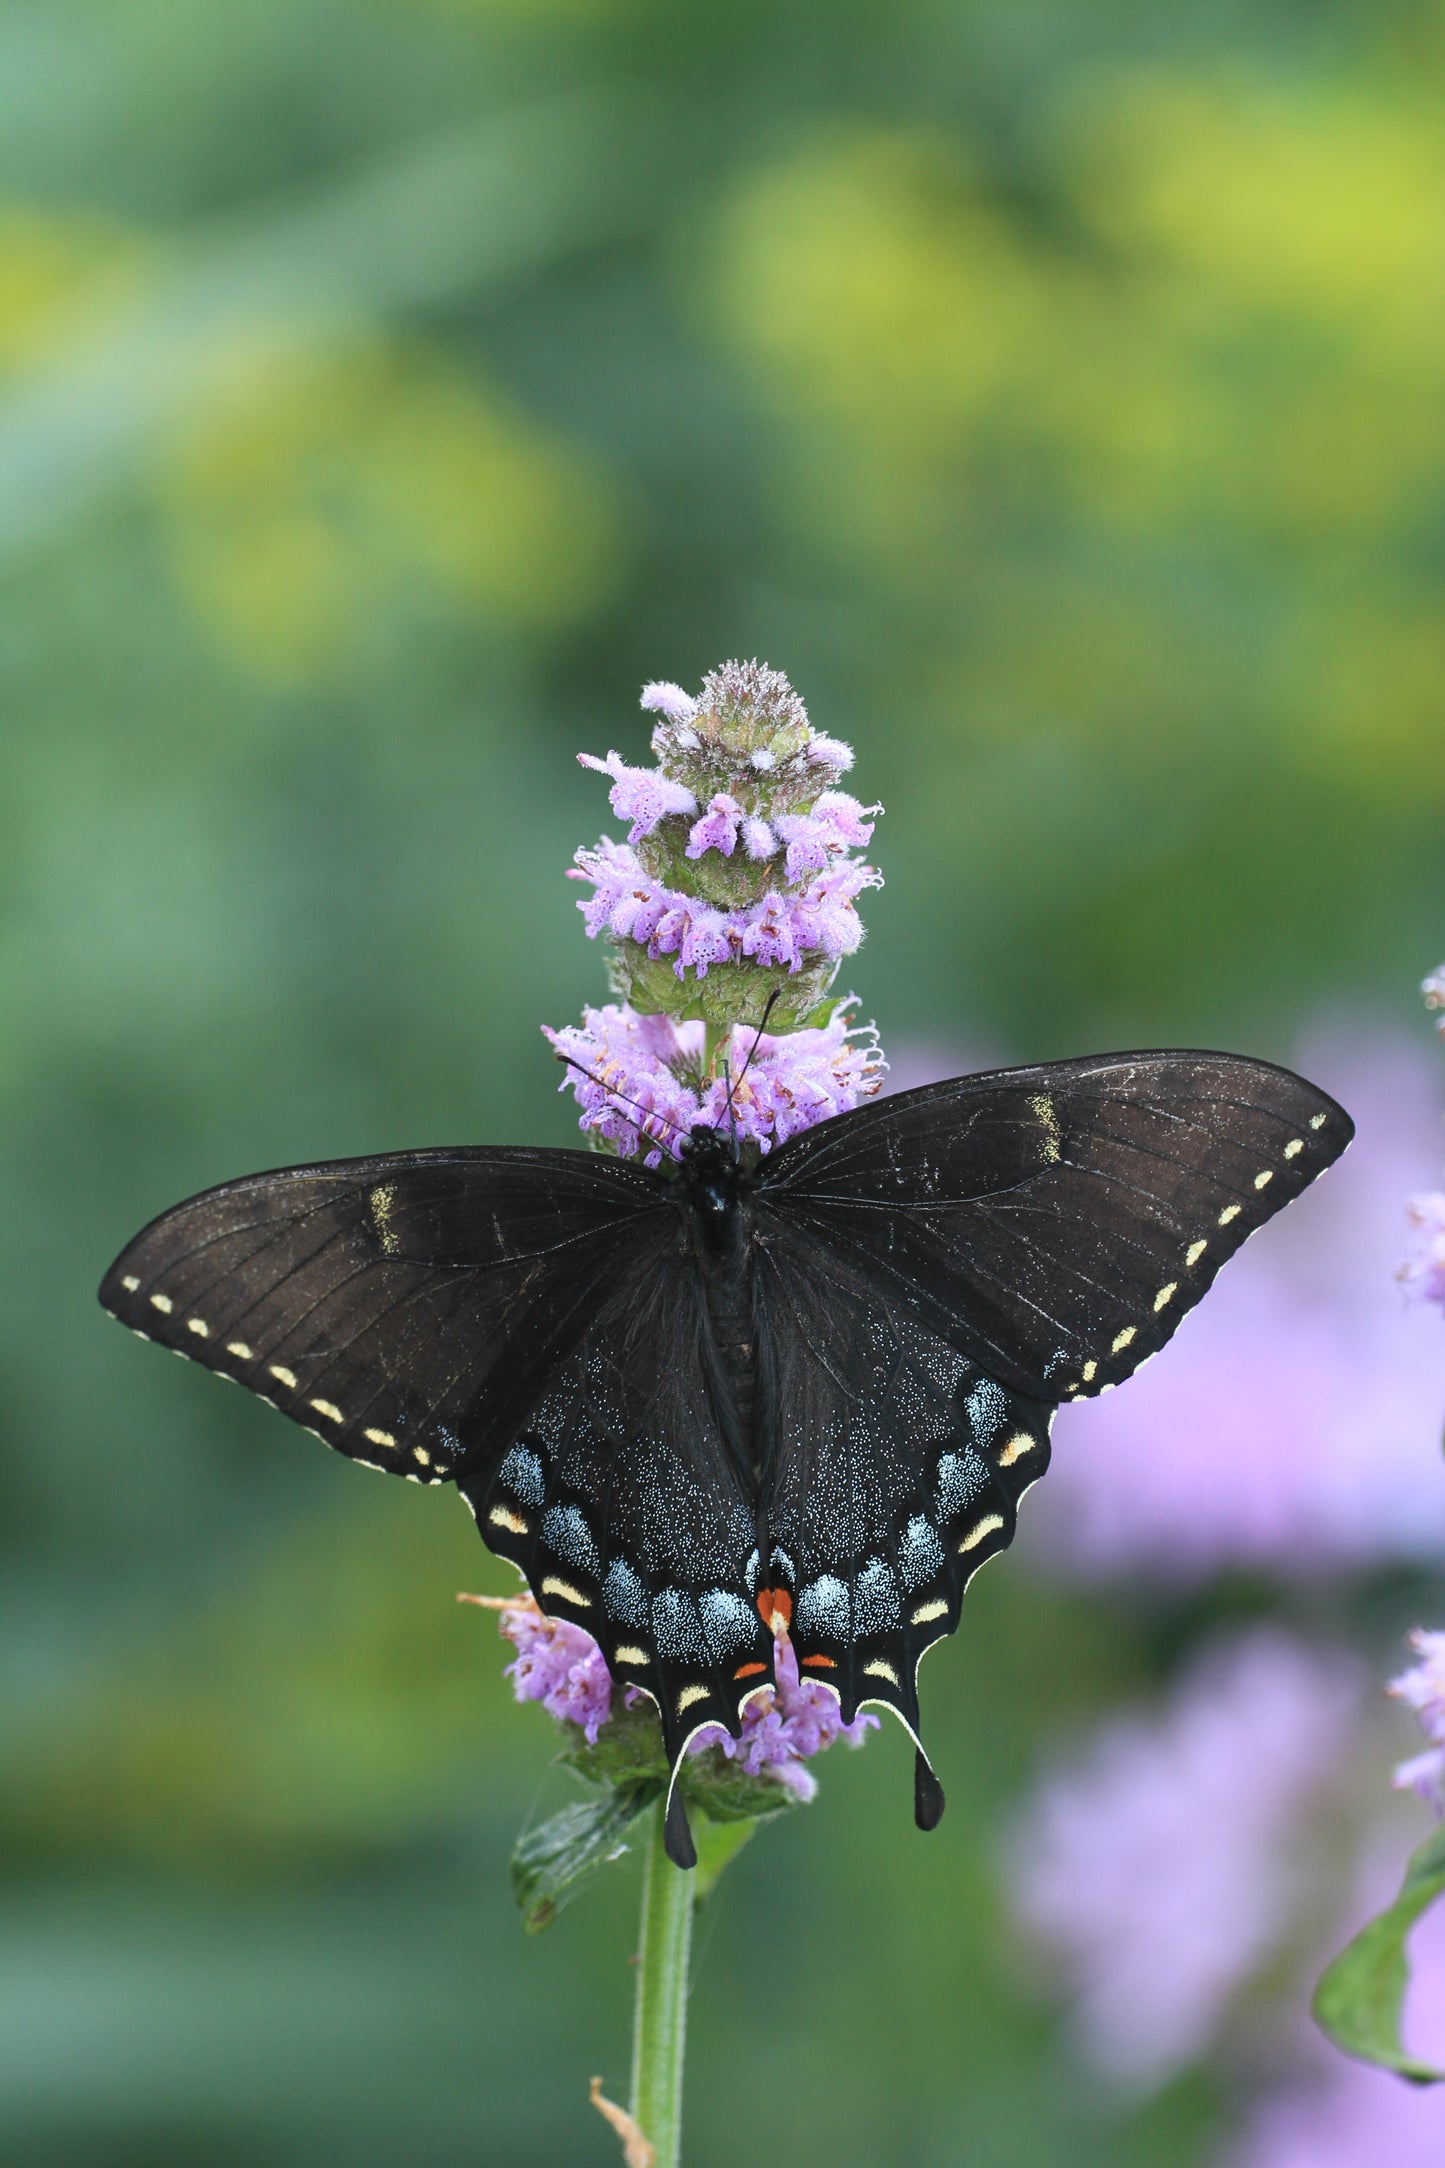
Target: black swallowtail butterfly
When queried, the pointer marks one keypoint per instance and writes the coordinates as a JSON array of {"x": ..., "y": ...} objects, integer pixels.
[{"x": 810, "y": 1387}]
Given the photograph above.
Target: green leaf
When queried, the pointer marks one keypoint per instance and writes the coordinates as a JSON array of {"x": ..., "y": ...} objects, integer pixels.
[
  {"x": 553, "y": 1862},
  {"x": 1359, "y": 1999},
  {"x": 628, "y": 1750},
  {"x": 717, "y": 1843},
  {"x": 726, "y": 1793}
]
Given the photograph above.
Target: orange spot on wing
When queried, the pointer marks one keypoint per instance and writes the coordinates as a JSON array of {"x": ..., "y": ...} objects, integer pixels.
[
  {"x": 749, "y": 1671},
  {"x": 821, "y": 1663},
  {"x": 775, "y": 1603}
]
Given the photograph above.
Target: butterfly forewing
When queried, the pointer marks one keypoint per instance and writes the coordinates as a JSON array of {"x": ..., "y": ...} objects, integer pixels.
[
  {"x": 1056, "y": 1223},
  {"x": 407, "y": 1309}
]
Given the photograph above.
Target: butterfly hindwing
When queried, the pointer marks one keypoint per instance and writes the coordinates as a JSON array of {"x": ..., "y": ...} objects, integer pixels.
[
  {"x": 623, "y": 1507},
  {"x": 1056, "y": 1223},
  {"x": 405, "y": 1309},
  {"x": 896, "y": 1468}
]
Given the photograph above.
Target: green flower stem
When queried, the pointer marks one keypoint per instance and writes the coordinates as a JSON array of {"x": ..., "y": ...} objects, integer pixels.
[
  {"x": 660, "y": 2018},
  {"x": 713, "y": 1036}
]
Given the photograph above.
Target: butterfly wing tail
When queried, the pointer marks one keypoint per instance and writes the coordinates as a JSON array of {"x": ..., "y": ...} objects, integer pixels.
[{"x": 676, "y": 1831}]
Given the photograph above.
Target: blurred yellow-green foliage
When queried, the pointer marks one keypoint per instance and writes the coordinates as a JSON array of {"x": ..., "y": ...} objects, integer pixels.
[{"x": 387, "y": 387}]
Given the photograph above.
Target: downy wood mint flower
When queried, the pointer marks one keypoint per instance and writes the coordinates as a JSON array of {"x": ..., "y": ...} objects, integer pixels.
[{"x": 739, "y": 877}]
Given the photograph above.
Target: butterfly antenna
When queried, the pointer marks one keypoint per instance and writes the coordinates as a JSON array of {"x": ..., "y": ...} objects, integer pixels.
[
  {"x": 735, "y": 1085},
  {"x": 649, "y": 1114},
  {"x": 732, "y": 1110}
]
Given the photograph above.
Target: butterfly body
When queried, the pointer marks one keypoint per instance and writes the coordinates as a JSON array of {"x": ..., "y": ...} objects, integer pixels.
[
  {"x": 714, "y": 1184},
  {"x": 739, "y": 1393}
]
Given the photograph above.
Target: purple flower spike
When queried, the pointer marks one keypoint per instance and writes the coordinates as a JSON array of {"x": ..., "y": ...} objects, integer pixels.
[
  {"x": 643, "y": 796},
  {"x": 661, "y": 697},
  {"x": 557, "y": 1664},
  {"x": 1423, "y": 1272},
  {"x": 1422, "y": 1688}
]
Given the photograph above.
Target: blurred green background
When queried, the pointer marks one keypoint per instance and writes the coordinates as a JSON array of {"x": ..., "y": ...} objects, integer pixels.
[{"x": 1058, "y": 394}]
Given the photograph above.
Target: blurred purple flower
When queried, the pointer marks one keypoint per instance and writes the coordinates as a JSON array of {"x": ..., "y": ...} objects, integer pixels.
[
  {"x": 643, "y": 796},
  {"x": 1353, "y": 2118},
  {"x": 1423, "y": 1272},
  {"x": 1433, "y": 988},
  {"x": 1162, "y": 1869},
  {"x": 1340, "y": 2114},
  {"x": 1346, "y": 2115},
  {"x": 1422, "y": 1688},
  {"x": 791, "y": 1081},
  {"x": 1294, "y": 1422},
  {"x": 630, "y": 905},
  {"x": 561, "y": 1666},
  {"x": 830, "y": 752}
]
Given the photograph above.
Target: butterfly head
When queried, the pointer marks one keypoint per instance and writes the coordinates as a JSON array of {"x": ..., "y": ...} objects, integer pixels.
[{"x": 712, "y": 1170}]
